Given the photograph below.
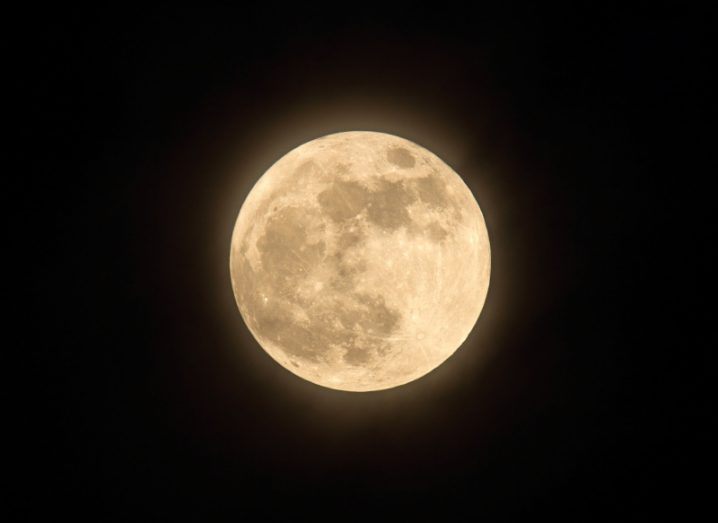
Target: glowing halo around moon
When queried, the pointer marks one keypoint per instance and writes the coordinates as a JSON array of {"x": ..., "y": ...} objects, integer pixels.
[{"x": 360, "y": 261}]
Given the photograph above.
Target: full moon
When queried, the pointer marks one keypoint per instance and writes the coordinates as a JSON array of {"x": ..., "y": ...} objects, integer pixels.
[{"x": 360, "y": 261}]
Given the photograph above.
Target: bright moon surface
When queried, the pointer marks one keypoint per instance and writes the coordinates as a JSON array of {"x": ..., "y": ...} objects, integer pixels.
[{"x": 360, "y": 261}]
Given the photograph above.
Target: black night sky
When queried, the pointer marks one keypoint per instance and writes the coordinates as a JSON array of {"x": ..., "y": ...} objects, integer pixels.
[{"x": 577, "y": 394}]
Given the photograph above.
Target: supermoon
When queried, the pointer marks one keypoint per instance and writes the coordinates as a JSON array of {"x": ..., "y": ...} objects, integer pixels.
[{"x": 360, "y": 261}]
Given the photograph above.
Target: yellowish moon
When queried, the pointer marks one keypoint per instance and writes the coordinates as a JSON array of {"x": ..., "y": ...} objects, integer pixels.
[{"x": 360, "y": 261}]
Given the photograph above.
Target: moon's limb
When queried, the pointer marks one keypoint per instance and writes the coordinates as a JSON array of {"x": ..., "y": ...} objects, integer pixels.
[{"x": 360, "y": 261}]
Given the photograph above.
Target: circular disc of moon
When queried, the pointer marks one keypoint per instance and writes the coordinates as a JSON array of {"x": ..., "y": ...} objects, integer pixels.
[{"x": 360, "y": 261}]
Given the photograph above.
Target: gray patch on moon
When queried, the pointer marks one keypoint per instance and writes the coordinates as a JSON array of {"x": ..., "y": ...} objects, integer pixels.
[
  {"x": 285, "y": 253},
  {"x": 350, "y": 239},
  {"x": 400, "y": 157},
  {"x": 431, "y": 191},
  {"x": 436, "y": 232},
  {"x": 387, "y": 206},
  {"x": 344, "y": 318},
  {"x": 355, "y": 356},
  {"x": 343, "y": 200}
]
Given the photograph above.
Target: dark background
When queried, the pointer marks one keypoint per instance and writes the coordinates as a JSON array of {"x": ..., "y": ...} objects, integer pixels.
[{"x": 578, "y": 393}]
